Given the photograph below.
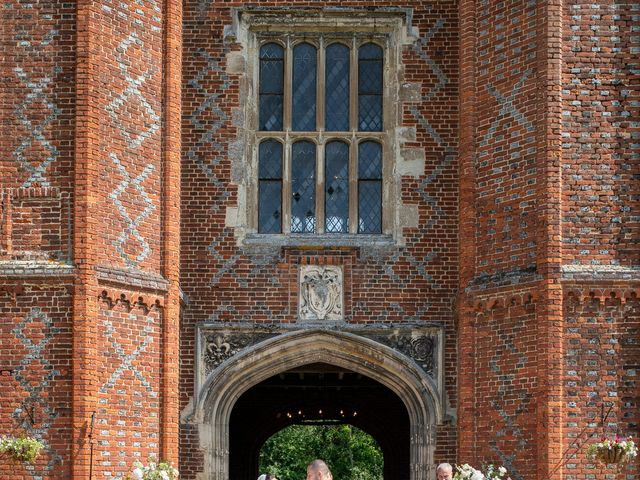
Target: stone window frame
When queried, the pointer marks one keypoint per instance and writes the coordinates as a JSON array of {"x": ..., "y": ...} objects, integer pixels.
[{"x": 385, "y": 27}]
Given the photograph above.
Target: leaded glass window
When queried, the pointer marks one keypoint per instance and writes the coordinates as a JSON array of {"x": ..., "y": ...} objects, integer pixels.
[
  {"x": 271, "y": 86},
  {"x": 337, "y": 88},
  {"x": 370, "y": 88},
  {"x": 270, "y": 187},
  {"x": 336, "y": 210},
  {"x": 369, "y": 187},
  {"x": 320, "y": 128},
  {"x": 304, "y": 88},
  {"x": 303, "y": 187}
]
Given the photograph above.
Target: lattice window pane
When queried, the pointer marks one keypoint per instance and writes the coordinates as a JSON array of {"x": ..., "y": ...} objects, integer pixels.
[
  {"x": 369, "y": 161},
  {"x": 336, "y": 187},
  {"x": 337, "y": 88},
  {"x": 270, "y": 187},
  {"x": 304, "y": 88},
  {"x": 369, "y": 206},
  {"x": 270, "y": 160},
  {"x": 270, "y": 206},
  {"x": 370, "y": 88},
  {"x": 303, "y": 187},
  {"x": 271, "y": 87},
  {"x": 369, "y": 187}
]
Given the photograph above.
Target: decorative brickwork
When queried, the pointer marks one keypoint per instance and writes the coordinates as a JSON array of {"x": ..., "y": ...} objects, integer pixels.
[
  {"x": 600, "y": 138},
  {"x": 505, "y": 389},
  {"x": 130, "y": 136},
  {"x": 128, "y": 415},
  {"x": 36, "y": 377},
  {"x": 505, "y": 281},
  {"x": 600, "y": 373}
]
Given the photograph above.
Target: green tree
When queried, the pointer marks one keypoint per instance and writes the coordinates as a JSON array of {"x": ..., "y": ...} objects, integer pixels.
[{"x": 350, "y": 453}]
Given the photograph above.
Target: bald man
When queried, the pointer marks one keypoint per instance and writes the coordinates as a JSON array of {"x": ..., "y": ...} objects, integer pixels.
[
  {"x": 318, "y": 470},
  {"x": 444, "y": 471}
]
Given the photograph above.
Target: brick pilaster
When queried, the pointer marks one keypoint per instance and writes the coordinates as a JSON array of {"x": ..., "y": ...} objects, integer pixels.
[{"x": 171, "y": 228}]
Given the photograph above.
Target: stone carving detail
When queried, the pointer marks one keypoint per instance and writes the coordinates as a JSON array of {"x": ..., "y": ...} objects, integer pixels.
[
  {"x": 320, "y": 296},
  {"x": 218, "y": 346},
  {"x": 421, "y": 348}
]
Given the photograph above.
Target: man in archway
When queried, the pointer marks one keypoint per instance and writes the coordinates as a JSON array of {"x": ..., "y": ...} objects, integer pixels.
[
  {"x": 318, "y": 470},
  {"x": 444, "y": 471}
]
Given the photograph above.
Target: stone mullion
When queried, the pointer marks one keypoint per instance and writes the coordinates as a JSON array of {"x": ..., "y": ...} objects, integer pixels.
[{"x": 171, "y": 152}]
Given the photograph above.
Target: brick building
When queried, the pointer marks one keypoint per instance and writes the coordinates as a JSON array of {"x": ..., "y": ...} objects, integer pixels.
[{"x": 221, "y": 218}]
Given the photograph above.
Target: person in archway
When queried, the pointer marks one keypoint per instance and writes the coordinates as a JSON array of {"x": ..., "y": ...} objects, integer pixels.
[
  {"x": 318, "y": 470},
  {"x": 444, "y": 472}
]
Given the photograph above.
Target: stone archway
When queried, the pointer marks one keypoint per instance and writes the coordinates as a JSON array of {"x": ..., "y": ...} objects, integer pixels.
[{"x": 236, "y": 375}]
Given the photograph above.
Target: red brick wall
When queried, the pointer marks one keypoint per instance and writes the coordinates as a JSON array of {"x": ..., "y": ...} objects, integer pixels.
[
  {"x": 90, "y": 151},
  {"x": 600, "y": 112},
  {"x": 224, "y": 282},
  {"x": 95, "y": 164},
  {"x": 130, "y": 101},
  {"x": 600, "y": 374},
  {"x": 37, "y": 108},
  {"x": 130, "y": 377},
  {"x": 35, "y": 374},
  {"x": 506, "y": 384},
  {"x": 507, "y": 137},
  {"x": 37, "y": 74},
  {"x": 504, "y": 312}
]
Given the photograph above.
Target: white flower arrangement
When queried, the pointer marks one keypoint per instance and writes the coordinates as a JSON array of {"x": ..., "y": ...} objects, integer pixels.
[
  {"x": 23, "y": 449},
  {"x": 467, "y": 472},
  {"x": 614, "y": 450},
  {"x": 154, "y": 471}
]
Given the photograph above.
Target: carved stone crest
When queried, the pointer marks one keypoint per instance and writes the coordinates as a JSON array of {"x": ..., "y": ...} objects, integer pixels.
[{"x": 320, "y": 293}]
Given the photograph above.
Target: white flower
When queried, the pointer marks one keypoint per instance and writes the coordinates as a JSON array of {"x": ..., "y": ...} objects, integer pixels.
[
  {"x": 137, "y": 473},
  {"x": 502, "y": 471},
  {"x": 476, "y": 475}
]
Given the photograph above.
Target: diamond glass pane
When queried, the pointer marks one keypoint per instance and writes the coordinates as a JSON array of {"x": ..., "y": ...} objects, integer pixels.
[
  {"x": 271, "y": 112},
  {"x": 270, "y": 160},
  {"x": 271, "y": 87},
  {"x": 369, "y": 206},
  {"x": 336, "y": 187},
  {"x": 304, "y": 88},
  {"x": 370, "y": 51},
  {"x": 370, "y": 88},
  {"x": 370, "y": 77},
  {"x": 303, "y": 187},
  {"x": 369, "y": 161},
  {"x": 337, "y": 88},
  {"x": 370, "y": 113},
  {"x": 270, "y": 206}
]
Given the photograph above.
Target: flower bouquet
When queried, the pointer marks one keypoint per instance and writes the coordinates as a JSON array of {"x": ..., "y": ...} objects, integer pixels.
[
  {"x": 467, "y": 472},
  {"x": 618, "y": 450},
  {"x": 23, "y": 449},
  {"x": 154, "y": 471}
]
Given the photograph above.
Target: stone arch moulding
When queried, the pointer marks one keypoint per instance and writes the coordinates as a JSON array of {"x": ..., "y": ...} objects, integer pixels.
[{"x": 226, "y": 383}]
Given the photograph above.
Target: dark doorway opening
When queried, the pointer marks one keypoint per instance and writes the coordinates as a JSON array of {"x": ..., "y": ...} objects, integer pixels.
[{"x": 318, "y": 394}]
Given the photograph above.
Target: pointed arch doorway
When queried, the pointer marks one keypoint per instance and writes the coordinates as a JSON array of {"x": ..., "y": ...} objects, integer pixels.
[
  {"x": 318, "y": 394},
  {"x": 393, "y": 376}
]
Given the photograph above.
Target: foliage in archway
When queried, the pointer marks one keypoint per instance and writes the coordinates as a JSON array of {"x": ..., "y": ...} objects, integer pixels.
[{"x": 350, "y": 453}]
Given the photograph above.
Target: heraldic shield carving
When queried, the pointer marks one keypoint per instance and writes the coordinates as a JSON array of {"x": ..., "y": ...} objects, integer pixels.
[{"x": 320, "y": 292}]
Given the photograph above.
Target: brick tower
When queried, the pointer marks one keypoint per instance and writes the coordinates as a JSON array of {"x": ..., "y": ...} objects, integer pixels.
[{"x": 203, "y": 201}]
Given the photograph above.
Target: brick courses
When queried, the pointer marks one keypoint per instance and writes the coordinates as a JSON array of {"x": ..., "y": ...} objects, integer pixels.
[{"x": 119, "y": 125}]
